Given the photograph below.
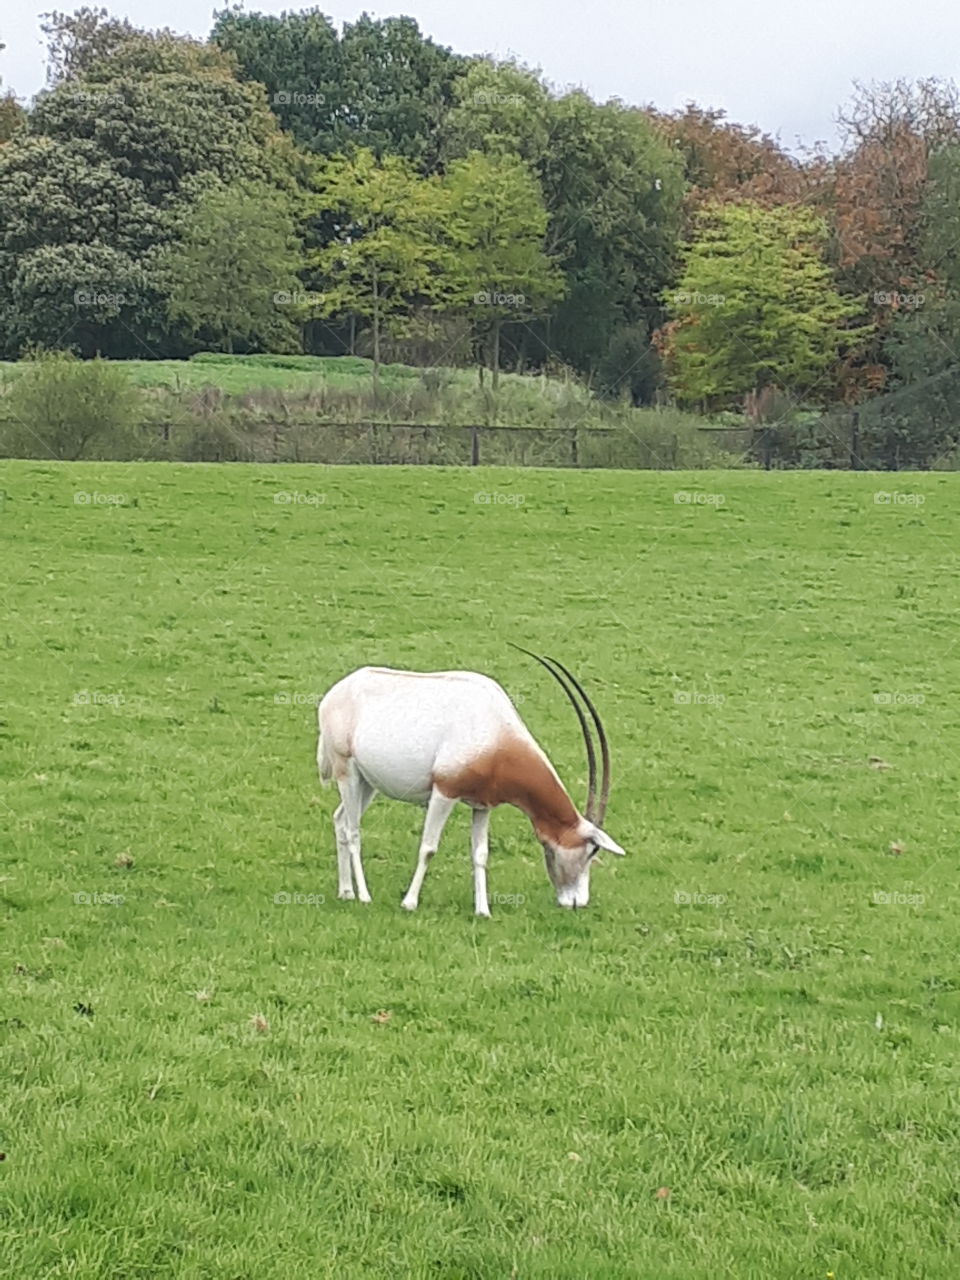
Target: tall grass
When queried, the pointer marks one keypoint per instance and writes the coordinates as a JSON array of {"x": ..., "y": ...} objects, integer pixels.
[{"x": 314, "y": 409}]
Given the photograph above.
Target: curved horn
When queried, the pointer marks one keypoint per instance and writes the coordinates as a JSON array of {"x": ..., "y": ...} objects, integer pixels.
[
  {"x": 588, "y": 741},
  {"x": 604, "y": 748}
]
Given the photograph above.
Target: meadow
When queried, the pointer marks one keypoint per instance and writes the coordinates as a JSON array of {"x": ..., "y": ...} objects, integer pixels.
[{"x": 739, "y": 1061}]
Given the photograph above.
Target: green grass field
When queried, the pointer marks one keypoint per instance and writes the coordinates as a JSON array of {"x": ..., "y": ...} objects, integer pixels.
[
  {"x": 239, "y": 375},
  {"x": 739, "y": 1062}
]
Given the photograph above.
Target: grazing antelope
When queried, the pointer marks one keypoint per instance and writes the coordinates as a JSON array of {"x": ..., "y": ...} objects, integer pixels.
[{"x": 436, "y": 738}]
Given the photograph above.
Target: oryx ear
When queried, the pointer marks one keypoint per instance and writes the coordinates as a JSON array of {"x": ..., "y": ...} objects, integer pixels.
[{"x": 604, "y": 842}]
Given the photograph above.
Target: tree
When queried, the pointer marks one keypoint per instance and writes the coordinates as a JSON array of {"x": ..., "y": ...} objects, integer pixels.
[
  {"x": 400, "y": 86},
  {"x": 917, "y": 420},
  {"x": 614, "y": 191},
  {"x": 12, "y": 115},
  {"x": 91, "y": 190},
  {"x": 382, "y": 85},
  {"x": 498, "y": 108},
  {"x": 76, "y": 40},
  {"x": 75, "y": 235},
  {"x": 296, "y": 57},
  {"x": 386, "y": 251},
  {"x": 232, "y": 269},
  {"x": 611, "y": 185},
  {"x": 496, "y": 224},
  {"x": 728, "y": 162},
  {"x": 880, "y": 181},
  {"x": 755, "y": 307}
]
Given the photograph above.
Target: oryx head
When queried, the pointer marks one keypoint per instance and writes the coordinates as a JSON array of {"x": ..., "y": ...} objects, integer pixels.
[{"x": 569, "y": 857}]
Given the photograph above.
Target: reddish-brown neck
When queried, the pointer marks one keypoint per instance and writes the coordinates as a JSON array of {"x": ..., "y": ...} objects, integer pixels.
[{"x": 516, "y": 773}]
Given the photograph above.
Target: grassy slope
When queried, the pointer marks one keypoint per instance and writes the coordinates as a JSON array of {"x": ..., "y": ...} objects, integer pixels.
[
  {"x": 240, "y": 374},
  {"x": 784, "y": 1062}
]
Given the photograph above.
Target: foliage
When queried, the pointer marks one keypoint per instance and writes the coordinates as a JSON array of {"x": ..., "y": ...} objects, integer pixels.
[
  {"x": 630, "y": 366},
  {"x": 62, "y": 407},
  {"x": 612, "y": 188},
  {"x": 232, "y": 269},
  {"x": 381, "y": 85},
  {"x": 76, "y": 40},
  {"x": 12, "y": 117},
  {"x": 496, "y": 224},
  {"x": 386, "y": 252},
  {"x": 92, "y": 190},
  {"x": 755, "y": 306}
]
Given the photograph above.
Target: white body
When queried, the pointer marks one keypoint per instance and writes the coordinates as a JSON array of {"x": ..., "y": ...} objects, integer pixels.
[{"x": 433, "y": 739}]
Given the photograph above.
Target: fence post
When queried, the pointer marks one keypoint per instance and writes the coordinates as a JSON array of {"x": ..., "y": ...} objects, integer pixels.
[
  {"x": 574, "y": 451},
  {"x": 855, "y": 441},
  {"x": 475, "y": 447}
]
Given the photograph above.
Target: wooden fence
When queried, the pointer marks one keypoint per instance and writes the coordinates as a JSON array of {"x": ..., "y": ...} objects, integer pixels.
[{"x": 392, "y": 443}]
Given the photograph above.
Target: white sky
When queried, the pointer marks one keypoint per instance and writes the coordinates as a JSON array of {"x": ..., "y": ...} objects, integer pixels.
[{"x": 785, "y": 66}]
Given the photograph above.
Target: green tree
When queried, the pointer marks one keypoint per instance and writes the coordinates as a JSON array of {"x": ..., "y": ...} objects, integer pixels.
[
  {"x": 232, "y": 269},
  {"x": 498, "y": 108},
  {"x": 381, "y": 85},
  {"x": 76, "y": 40},
  {"x": 496, "y": 225},
  {"x": 756, "y": 307},
  {"x": 92, "y": 188},
  {"x": 613, "y": 190},
  {"x": 12, "y": 115},
  {"x": 386, "y": 252}
]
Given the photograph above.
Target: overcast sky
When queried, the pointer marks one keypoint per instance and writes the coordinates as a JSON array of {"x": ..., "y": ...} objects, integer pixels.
[{"x": 785, "y": 66}]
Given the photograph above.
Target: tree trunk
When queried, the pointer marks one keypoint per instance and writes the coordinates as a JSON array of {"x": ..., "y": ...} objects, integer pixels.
[
  {"x": 376, "y": 333},
  {"x": 495, "y": 380}
]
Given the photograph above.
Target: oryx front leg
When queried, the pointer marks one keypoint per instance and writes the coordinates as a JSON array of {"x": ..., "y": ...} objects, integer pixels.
[
  {"x": 479, "y": 850},
  {"x": 439, "y": 810},
  {"x": 355, "y": 796}
]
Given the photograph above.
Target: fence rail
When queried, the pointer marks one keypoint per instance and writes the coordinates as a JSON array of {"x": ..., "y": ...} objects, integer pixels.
[
  {"x": 842, "y": 439},
  {"x": 392, "y": 443}
]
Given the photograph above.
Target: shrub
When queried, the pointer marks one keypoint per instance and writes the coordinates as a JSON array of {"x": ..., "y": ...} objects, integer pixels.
[{"x": 68, "y": 408}]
